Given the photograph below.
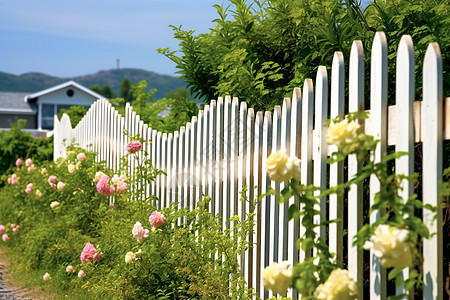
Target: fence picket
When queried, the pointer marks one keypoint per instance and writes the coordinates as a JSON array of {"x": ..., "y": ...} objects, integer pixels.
[
  {"x": 404, "y": 93},
  {"x": 336, "y": 206},
  {"x": 266, "y": 201},
  {"x": 432, "y": 135},
  {"x": 378, "y": 128},
  {"x": 320, "y": 149},
  {"x": 355, "y": 194}
]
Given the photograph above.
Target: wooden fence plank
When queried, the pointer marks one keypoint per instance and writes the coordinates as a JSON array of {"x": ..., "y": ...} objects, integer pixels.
[
  {"x": 404, "y": 94},
  {"x": 337, "y": 104},
  {"x": 432, "y": 173},
  {"x": 355, "y": 195},
  {"x": 378, "y": 128}
]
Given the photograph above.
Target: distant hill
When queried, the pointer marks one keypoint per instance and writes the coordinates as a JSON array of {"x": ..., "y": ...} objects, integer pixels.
[{"x": 34, "y": 82}]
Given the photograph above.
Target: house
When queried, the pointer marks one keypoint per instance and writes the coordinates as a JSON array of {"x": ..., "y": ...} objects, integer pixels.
[{"x": 39, "y": 108}]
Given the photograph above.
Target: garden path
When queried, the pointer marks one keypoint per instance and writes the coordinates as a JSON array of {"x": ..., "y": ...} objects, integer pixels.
[{"x": 6, "y": 292}]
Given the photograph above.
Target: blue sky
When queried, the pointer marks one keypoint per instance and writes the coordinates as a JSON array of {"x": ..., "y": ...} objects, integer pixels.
[{"x": 68, "y": 38}]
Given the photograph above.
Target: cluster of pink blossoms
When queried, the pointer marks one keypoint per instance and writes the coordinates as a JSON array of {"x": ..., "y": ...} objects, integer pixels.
[
  {"x": 103, "y": 187},
  {"x": 52, "y": 179},
  {"x": 139, "y": 232},
  {"x": 89, "y": 253},
  {"x": 156, "y": 219},
  {"x": 13, "y": 179},
  {"x": 134, "y": 146},
  {"x": 5, "y": 237},
  {"x": 119, "y": 182},
  {"x": 29, "y": 188}
]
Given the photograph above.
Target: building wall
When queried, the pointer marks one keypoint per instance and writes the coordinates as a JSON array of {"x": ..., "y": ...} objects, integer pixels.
[{"x": 7, "y": 119}]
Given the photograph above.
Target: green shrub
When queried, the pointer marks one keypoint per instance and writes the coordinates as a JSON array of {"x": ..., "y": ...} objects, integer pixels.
[{"x": 188, "y": 257}]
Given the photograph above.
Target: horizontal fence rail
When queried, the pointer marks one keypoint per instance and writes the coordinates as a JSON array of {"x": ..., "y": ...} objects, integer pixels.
[{"x": 226, "y": 146}]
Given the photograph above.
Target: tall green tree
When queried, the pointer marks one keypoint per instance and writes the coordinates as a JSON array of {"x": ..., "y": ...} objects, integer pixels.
[
  {"x": 125, "y": 90},
  {"x": 260, "y": 50},
  {"x": 105, "y": 91}
]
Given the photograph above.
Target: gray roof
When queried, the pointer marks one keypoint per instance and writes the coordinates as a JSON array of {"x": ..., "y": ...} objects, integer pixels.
[{"x": 13, "y": 102}]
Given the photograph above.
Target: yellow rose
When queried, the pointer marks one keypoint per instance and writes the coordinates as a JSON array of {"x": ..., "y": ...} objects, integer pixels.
[
  {"x": 72, "y": 168},
  {"x": 278, "y": 277},
  {"x": 390, "y": 245},
  {"x": 281, "y": 168},
  {"x": 339, "y": 286},
  {"x": 342, "y": 132}
]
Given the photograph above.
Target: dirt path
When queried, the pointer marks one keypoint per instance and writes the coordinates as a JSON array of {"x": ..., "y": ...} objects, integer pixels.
[{"x": 8, "y": 291}]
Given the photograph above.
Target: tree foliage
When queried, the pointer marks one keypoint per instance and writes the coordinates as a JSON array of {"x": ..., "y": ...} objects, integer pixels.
[
  {"x": 167, "y": 114},
  {"x": 105, "y": 91},
  {"x": 125, "y": 90},
  {"x": 16, "y": 143},
  {"x": 75, "y": 113},
  {"x": 260, "y": 50}
]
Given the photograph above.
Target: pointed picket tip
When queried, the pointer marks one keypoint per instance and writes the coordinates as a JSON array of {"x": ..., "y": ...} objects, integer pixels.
[
  {"x": 433, "y": 60},
  {"x": 243, "y": 105},
  {"x": 267, "y": 118},
  {"x": 337, "y": 86},
  {"x": 194, "y": 119},
  {"x": 357, "y": 52},
  {"x": 228, "y": 99},
  {"x": 277, "y": 111},
  {"x": 65, "y": 121},
  {"x": 170, "y": 136},
  {"x": 379, "y": 44},
  {"x": 259, "y": 118},
  {"x": 296, "y": 94}
]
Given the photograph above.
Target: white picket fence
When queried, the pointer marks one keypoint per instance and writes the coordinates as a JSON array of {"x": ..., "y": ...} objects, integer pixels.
[{"x": 225, "y": 147}]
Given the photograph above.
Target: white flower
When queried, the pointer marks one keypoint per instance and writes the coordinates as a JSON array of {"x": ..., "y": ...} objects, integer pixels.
[
  {"x": 339, "y": 286},
  {"x": 278, "y": 277},
  {"x": 54, "y": 204},
  {"x": 130, "y": 257},
  {"x": 281, "y": 168},
  {"x": 342, "y": 132},
  {"x": 390, "y": 245}
]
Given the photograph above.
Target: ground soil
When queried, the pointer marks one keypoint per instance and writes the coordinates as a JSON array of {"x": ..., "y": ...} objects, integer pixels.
[{"x": 17, "y": 292}]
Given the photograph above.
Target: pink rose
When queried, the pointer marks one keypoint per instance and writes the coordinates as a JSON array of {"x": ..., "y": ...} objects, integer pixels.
[
  {"x": 81, "y": 274},
  {"x": 28, "y": 162},
  {"x": 12, "y": 179},
  {"x": 60, "y": 185},
  {"x": 99, "y": 256},
  {"x": 5, "y": 238},
  {"x": 111, "y": 205},
  {"x": 156, "y": 219},
  {"x": 121, "y": 187},
  {"x": 18, "y": 162},
  {"x": 103, "y": 187},
  {"x": 31, "y": 168},
  {"x": 69, "y": 268},
  {"x": 88, "y": 253},
  {"x": 46, "y": 277},
  {"x": 16, "y": 229},
  {"x": 13, "y": 225},
  {"x": 81, "y": 156},
  {"x": 134, "y": 146},
  {"x": 139, "y": 232},
  {"x": 52, "y": 179},
  {"x": 2, "y": 228},
  {"x": 29, "y": 188}
]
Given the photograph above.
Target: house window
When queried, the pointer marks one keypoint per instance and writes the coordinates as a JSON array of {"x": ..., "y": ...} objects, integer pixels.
[
  {"x": 70, "y": 92},
  {"x": 48, "y": 111}
]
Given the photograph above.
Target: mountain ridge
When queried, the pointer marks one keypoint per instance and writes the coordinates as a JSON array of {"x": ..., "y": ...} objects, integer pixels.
[{"x": 35, "y": 81}]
